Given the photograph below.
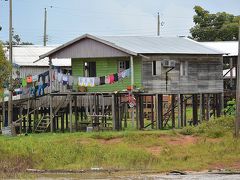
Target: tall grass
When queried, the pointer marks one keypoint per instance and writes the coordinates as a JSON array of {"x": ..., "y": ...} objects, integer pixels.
[{"x": 120, "y": 150}]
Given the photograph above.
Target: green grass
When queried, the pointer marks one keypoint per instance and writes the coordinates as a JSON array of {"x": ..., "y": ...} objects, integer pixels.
[{"x": 126, "y": 150}]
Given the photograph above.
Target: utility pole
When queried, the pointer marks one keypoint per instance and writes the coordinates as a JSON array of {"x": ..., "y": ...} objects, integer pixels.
[
  {"x": 158, "y": 25},
  {"x": 10, "y": 103},
  {"x": 45, "y": 28},
  {"x": 237, "y": 120}
]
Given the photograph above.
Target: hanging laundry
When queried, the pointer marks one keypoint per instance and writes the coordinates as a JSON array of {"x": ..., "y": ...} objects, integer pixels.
[
  {"x": 115, "y": 77},
  {"x": 24, "y": 82},
  {"x": 60, "y": 77},
  {"x": 29, "y": 79},
  {"x": 126, "y": 73},
  {"x": 97, "y": 81},
  {"x": 111, "y": 79},
  {"x": 107, "y": 80},
  {"x": 65, "y": 79},
  {"x": 102, "y": 80},
  {"x": 90, "y": 82},
  {"x": 35, "y": 78}
]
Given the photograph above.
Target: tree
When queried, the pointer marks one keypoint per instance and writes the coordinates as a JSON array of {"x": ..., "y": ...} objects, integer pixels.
[
  {"x": 5, "y": 67},
  {"x": 17, "y": 40},
  {"x": 214, "y": 27}
]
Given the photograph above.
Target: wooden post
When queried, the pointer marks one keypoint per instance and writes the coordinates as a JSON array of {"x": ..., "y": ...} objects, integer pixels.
[
  {"x": 70, "y": 113},
  {"x": 76, "y": 113},
  {"x": 113, "y": 112},
  {"x": 152, "y": 112},
  {"x": 195, "y": 109},
  {"x": 67, "y": 109},
  {"x": 179, "y": 110},
  {"x": 222, "y": 104},
  {"x": 159, "y": 111},
  {"x": 125, "y": 115},
  {"x": 21, "y": 116},
  {"x": 208, "y": 107},
  {"x": 51, "y": 112},
  {"x": 181, "y": 104},
  {"x": 62, "y": 122},
  {"x": 141, "y": 112},
  {"x": 201, "y": 108},
  {"x": 137, "y": 112},
  {"x": 173, "y": 110},
  {"x": 184, "y": 112}
]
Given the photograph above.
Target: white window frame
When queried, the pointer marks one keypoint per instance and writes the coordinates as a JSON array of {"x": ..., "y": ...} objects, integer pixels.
[
  {"x": 158, "y": 68},
  {"x": 184, "y": 68}
]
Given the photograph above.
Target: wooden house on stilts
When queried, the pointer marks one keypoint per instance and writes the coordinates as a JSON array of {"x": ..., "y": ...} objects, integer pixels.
[{"x": 178, "y": 69}]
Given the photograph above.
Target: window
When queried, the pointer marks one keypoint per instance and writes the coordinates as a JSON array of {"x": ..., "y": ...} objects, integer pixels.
[
  {"x": 122, "y": 65},
  {"x": 90, "y": 69},
  {"x": 156, "y": 68},
  {"x": 183, "y": 68}
]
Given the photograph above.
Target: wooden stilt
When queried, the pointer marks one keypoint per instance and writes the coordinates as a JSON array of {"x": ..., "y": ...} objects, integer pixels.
[
  {"x": 173, "y": 110},
  {"x": 159, "y": 111},
  {"x": 137, "y": 111},
  {"x": 201, "y": 108},
  {"x": 51, "y": 113},
  {"x": 113, "y": 112},
  {"x": 76, "y": 113},
  {"x": 184, "y": 112},
  {"x": 195, "y": 109},
  {"x": 70, "y": 113},
  {"x": 179, "y": 110},
  {"x": 141, "y": 113},
  {"x": 125, "y": 114},
  {"x": 152, "y": 112},
  {"x": 208, "y": 107}
]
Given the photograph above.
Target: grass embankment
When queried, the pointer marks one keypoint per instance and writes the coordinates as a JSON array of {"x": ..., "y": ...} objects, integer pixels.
[{"x": 207, "y": 146}]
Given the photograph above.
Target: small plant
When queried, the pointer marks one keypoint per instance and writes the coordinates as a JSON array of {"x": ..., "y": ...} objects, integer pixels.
[{"x": 230, "y": 110}]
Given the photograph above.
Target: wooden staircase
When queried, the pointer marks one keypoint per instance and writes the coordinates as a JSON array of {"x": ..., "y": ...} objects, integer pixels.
[{"x": 43, "y": 124}]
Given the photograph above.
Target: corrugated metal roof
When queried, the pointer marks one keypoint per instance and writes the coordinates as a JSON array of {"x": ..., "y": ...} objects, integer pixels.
[
  {"x": 159, "y": 45},
  {"x": 134, "y": 45},
  {"x": 24, "y": 55},
  {"x": 230, "y": 48}
]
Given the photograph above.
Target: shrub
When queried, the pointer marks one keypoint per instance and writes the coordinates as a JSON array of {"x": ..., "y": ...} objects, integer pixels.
[{"x": 214, "y": 128}]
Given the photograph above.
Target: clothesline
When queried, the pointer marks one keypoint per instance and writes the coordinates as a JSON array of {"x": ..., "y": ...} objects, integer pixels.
[{"x": 36, "y": 84}]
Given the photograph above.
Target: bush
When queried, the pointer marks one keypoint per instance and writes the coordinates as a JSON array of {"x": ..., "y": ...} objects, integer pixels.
[{"x": 214, "y": 128}]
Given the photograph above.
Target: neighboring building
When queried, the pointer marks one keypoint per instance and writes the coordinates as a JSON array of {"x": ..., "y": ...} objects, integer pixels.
[
  {"x": 25, "y": 55},
  {"x": 230, "y": 49},
  {"x": 193, "y": 68}
]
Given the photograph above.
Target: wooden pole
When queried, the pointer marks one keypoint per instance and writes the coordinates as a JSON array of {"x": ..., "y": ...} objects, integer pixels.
[
  {"x": 237, "y": 120},
  {"x": 173, "y": 110},
  {"x": 200, "y": 108},
  {"x": 184, "y": 112},
  {"x": 208, "y": 107},
  {"x": 152, "y": 112},
  {"x": 179, "y": 110},
  {"x": 70, "y": 113},
  {"x": 195, "y": 109},
  {"x": 159, "y": 111},
  {"x": 51, "y": 112},
  {"x": 113, "y": 112}
]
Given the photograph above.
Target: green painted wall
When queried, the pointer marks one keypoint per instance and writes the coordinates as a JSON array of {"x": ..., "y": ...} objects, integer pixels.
[{"x": 106, "y": 66}]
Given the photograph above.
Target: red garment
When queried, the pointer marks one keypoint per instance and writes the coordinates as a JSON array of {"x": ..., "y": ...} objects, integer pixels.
[
  {"x": 111, "y": 79},
  {"x": 29, "y": 79}
]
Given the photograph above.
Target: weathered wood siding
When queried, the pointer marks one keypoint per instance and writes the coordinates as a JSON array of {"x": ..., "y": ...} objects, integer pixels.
[
  {"x": 88, "y": 48},
  {"x": 106, "y": 66},
  {"x": 204, "y": 75}
]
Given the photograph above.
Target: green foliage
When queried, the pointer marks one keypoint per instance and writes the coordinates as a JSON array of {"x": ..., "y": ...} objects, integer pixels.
[
  {"x": 5, "y": 67},
  {"x": 230, "y": 110},
  {"x": 214, "y": 128},
  {"x": 214, "y": 27}
]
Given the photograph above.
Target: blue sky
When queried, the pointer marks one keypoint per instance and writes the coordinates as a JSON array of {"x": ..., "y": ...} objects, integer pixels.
[{"x": 68, "y": 19}]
